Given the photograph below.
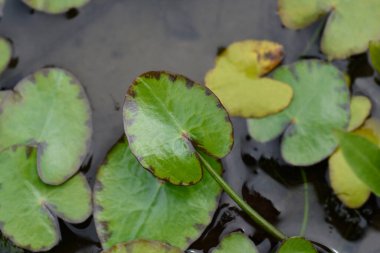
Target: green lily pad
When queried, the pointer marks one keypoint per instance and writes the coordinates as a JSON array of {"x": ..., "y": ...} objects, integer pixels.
[
  {"x": 350, "y": 27},
  {"x": 297, "y": 245},
  {"x": 49, "y": 109},
  {"x": 29, "y": 208},
  {"x": 55, "y": 6},
  {"x": 320, "y": 105},
  {"x": 130, "y": 203},
  {"x": 143, "y": 246},
  {"x": 237, "y": 83},
  {"x": 360, "y": 109},
  {"x": 168, "y": 119},
  {"x": 5, "y": 51},
  {"x": 374, "y": 54},
  {"x": 236, "y": 242}
]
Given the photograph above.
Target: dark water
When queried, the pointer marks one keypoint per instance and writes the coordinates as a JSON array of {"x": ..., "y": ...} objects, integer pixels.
[{"x": 108, "y": 43}]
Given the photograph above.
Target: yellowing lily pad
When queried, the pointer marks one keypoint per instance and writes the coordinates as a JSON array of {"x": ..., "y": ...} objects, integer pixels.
[
  {"x": 236, "y": 81},
  {"x": 360, "y": 109},
  {"x": 320, "y": 105},
  {"x": 374, "y": 54},
  {"x": 143, "y": 246},
  {"x": 49, "y": 109},
  {"x": 236, "y": 243},
  {"x": 5, "y": 53},
  {"x": 351, "y": 24},
  {"x": 30, "y": 209},
  {"x": 55, "y": 6}
]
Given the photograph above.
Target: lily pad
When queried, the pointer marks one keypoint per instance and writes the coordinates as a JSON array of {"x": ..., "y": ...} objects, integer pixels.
[
  {"x": 360, "y": 109},
  {"x": 5, "y": 51},
  {"x": 30, "y": 209},
  {"x": 237, "y": 83},
  {"x": 236, "y": 242},
  {"x": 172, "y": 118},
  {"x": 143, "y": 246},
  {"x": 374, "y": 54},
  {"x": 350, "y": 27},
  {"x": 320, "y": 105},
  {"x": 130, "y": 203},
  {"x": 55, "y": 6},
  {"x": 297, "y": 245},
  {"x": 49, "y": 109}
]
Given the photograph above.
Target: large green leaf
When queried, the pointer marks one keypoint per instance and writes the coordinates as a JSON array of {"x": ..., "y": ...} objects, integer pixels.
[
  {"x": 236, "y": 242},
  {"x": 237, "y": 83},
  {"x": 143, "y": 246},
  {"x": 55, "y": 6},
  {"x": 363, "y": 157},
  {"x": 320, "y": 105},
  {"x": 5, "y": 51},
  {"x": 374, "y": 54},
  {"x": 168, "y": 119},
  {"x": 351, "y": 24},
  {"x": 29, "y": 208},
  {"x": 130, "y": 203},
  {"x": 297, "y": 245},
  {"x": 49, "y": 109}
]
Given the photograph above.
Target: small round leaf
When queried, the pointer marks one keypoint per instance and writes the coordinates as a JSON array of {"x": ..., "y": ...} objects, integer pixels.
[
  {"x": 297, "y": 245},
  {"x": 55, "y": 6},
  {"x": 236, "y": 243},
  {"x": 143, "y": 246},
  {"x": 168, "y": 119}
]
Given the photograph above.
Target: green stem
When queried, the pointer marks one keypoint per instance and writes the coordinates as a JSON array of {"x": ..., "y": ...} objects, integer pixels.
[
  {"x": 306, "y": 204},
  {"x": 256, "y": 217}
]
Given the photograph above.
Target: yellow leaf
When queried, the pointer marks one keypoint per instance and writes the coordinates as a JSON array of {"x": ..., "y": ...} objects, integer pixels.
[
  {"x": 236, "y": 79},
  {"x": 360, "y": 109}
]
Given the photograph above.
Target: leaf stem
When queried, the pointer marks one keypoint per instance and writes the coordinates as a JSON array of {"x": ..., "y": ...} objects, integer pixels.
[
  {"x": 255, "y": 216},
  {"x": 306, "y": 204}
]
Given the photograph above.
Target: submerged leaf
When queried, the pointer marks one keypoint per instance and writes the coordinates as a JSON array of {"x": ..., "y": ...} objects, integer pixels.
[
  {"x": 297, "y": 245},
  {"x": 5, "y": 52},
  {"x": 237, "y": 83},
  {"x": 236, "y": 243},
  {"x": 320, "y": 105},
  {"x": 29, "y": 208},
  {"x": 130, "y": 203},
  {"x": 374, "y": 54},
  {"x": 351, "y": 24},
  {"x": 168, "y": 119},
  {"x": 360, "y": 109},
  {"x": 143, "y": 246},
  {"x": 49, "y": 109},
  {"x": 55, "y": 6}
]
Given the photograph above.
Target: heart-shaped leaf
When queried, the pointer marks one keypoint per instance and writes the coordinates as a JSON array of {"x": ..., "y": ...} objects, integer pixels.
[
  {"x": 374, "y": 54},
  {"x": 55, "y": 6},
  {"x": 168, "y": 119},
  {"x": 236, "y": 243},
  {"x": 237, "y": 83},
  {"x": 351, "y": 24},
  {"x": 297, "y": 245},
  {"x": 29, "y": 208},
  {"x": 5, "y": 51},
  {"x": 320, "y": 105},
  {"x": 49, "y": 109},
  {"x": 130, "y": 203},
  {"x": 143, "y": 246},
  {"x": 360, "y": 109}
]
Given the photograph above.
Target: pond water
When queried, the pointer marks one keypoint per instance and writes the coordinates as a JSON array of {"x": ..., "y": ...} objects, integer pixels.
[{"x": 108, "y": 43}]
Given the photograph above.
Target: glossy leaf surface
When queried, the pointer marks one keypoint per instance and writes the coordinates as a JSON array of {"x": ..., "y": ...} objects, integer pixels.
[
  {"x": 236, "y": 80},
  {"x": 130, "y": 203},
  {"x": 297, "y": 245},
  {"x": 320, "y": 105},
  {"x": 236, "y": 243},
  {"x": 143, "y": 246},
  {"x": 55, "y": 6},
  {"x": 168, "y": 119},
  {"x": 30, "y": 209},
  {"x": 5, "y": 51},
  {"x": 350, "y": 26},
  {"x": 49, "y": 109}
]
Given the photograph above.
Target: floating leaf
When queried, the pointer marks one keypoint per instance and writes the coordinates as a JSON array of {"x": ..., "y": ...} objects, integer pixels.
[
  {"x": 49, "y": 109},
  {"x": 297, "y": 245},
  {"x": 130, "y": 203},
  {"x": 360, "y": 109},
  {"x": 29, "y": 208},
  {"x": 168, "y": 119},
  {"x": 5, "y": 51},
  {"x": 320, "y": 105},
  {"x": 374, "y": 54},
  {"x": 350, "y": 27},
  {"x": 237, "y": 83},
  {"x": 363, "y": 157},
  {"x": 236, "y": 243},
  {"x": 55, "y": 6},
  {"x": 143, "y": 246}
]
